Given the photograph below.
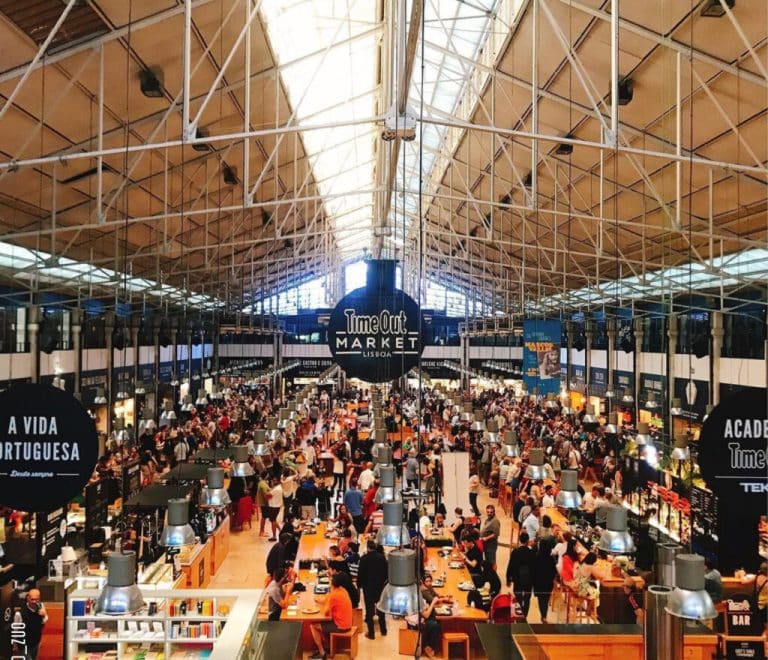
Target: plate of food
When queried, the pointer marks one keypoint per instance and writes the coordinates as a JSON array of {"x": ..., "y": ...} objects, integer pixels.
[
  {"x": 310, "y": 610},
  {"x": 466, "y": 585},
  {"x": 455, "y": 564},
  {"x": 443, "y": 610}
]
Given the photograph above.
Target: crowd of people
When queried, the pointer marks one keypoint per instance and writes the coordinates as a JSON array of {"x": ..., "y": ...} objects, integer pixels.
[{"x": 320, "y": 464}]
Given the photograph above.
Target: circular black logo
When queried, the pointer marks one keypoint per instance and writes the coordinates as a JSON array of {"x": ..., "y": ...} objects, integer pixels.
[
  {"x": 375, "y": 337},
  {"x": 733, "y": 448},
  {"x": 48, "y": 447}
]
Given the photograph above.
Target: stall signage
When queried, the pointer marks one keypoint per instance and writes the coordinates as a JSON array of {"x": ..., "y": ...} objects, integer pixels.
[
  {"x": 51, "y": 528},
  {"x": 48, "y": 447},
  {"x": 131, "y": 477},
  {"x": 733, "y": 449},
  {"x": 375, "y": 333},
  {"x": 740, "y": 618},
  {"x": 742, "y": 649}
]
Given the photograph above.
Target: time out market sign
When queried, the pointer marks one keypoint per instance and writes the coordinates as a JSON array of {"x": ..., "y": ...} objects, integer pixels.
[
  {"x": 48, "y": 447},
  {"x": 375, "y": 337}
]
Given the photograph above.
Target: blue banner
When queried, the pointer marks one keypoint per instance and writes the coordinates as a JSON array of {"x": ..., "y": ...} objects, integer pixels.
[{"x": 541, "y": 355}]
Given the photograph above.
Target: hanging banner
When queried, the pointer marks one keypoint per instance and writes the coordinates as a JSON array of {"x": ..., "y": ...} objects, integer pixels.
[
  {"x": 48, "y": 447},
  {"x": 541, "y": 355},
  {"x": 374, "y": 331}
]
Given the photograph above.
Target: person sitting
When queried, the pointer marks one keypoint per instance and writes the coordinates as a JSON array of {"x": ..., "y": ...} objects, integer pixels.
[
  {"x": 279, "y": 592},
  {"x": 338, "y": 608},
  {"x": 430, "y": 627},
  {"x": 336, "y": 560}
]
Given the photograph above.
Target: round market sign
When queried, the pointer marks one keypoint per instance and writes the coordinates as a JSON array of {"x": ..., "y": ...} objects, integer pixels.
[
  {"x": 733, "y": 448},
  {"x": 375, "y": 337},
  {"x": 48, "y": 447}
]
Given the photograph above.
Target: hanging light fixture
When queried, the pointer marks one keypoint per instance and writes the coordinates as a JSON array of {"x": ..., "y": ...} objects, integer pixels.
[
  {"x": 401, "y": 596},
  {"x": 466, "y": 414},
  {"x": 677, "y": 409},
  {"x": 202, "y": 398},
  {"x": 707, "y": 412},
  {"x": 610, "y": 393},
  {"x": 273, "y": 433},
  {"x": 680, "y": 451},
  {"x": 650, "y": 402},
  {"x": 510, "y": 446},
  {"x": 627, "y": 398},
  {"x": 260, "y": 447},
  {"x": 393, "y": 532},
  {"x": 120, "y": 594},
  {"x": 240, "y": 465},
  {"x": 187, "y": 405},
  {"x": 479, "y": 424},
  {"x": 140, "y": 388},
  {"x": 386, "y": 491},
  {"x": 589, "y": 420},
  {"x": 535, "y": 469},
  {"x": 615, "y": 539},
  {"x": 122, "y": 395},
  {"x": 214, "y": 494},
  {"x": 100, "y": 399},
  {"x": 569, "y": 497},
  {"x": 612, "y": 427},
  {"x": 174, "y": 382},
  {"x": 689, "y": 599},
  {"x": 177, "y": 532},
  {"x": 551, "y": 402},
  {"x": 566, "y": 407},
  {"x": 284, "y": 419},
  {"x": 382, "y": 455},
  {"x": 492, "y": 433}
]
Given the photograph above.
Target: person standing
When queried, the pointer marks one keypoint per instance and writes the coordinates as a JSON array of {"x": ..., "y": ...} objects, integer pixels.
[
  {"x": 489, "y": 535},
  {"x": 545, "y": 571},
  {"x": 520, "y": 571},
  {"x": 34, "y": 616},
  {"x": 353, "y": 499},
  {"x": 412, "y": 470},
  {"x": 275, "y": 504},
  {"x": 474, "y": 490}
]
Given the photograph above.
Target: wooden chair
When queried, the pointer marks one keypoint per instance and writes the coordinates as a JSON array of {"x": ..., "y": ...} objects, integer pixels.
[
  {"x": 455, "y": 638},
  {"x": 346, "y": 639}
]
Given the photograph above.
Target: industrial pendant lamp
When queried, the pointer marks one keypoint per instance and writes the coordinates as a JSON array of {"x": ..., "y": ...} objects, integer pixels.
[
  {"x": 650, "y": 402},
  {"x": 100, "y": 399},
  {"x": 680, "y": 451},
  {"x": 120, "y": 595},
  {"x": 401, "y": 596},
  {"x": 479, "y": 424},
  {"x": 677, "y": 409},
  {"x": 589, "y": 419},
  {"x": 616, "y": 539},
  {"x": 535, "y": 469},
  {"x": 177, "y": 532},
  {"x": 612, "y": 427},
  {"x": 202, "y": 399},
  {"x": 627, "y": 398},
  {"x": 690, "y": 600},
  {"x": 466, "y": 414},
  {"x": 240, "y": 465},
  {"x": 393, "y": 532},
  {"x": 386, "y": 491},
  {"x": 214, "y": 494},
  {"x": 382, "y": 455},
  {"x": 260, "y": 447},
  {"x": 284, "y": 419},
  {"x": 566, "y": 407},
  {"x": 569, "y": 496},
  {"x": 511, "y": 448},
  {"x": 273, "y": 433},
  {"x": 492, "y": 434},
  {"x": 551, "y": 402},
  {"x": 187, "y": 405}
]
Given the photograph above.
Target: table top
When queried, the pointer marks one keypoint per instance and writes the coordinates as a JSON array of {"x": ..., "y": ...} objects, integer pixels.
[
  {"x": 315, "y": 546},
  {"x": 437, "y": 564}
]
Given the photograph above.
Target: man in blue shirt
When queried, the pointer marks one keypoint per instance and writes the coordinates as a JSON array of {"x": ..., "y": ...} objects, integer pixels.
[{"x": 353, "y": 498}]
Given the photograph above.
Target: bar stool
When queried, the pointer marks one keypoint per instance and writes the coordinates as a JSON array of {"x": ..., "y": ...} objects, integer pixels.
[
  {"x": 347, "y": 638},
  {"x": 455, "y": 638}
]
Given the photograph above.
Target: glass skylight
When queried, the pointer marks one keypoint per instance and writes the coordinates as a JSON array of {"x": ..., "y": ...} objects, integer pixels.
[
  {"x": 308, "y": 295},
  {"x": 28, "y": 265},
  {"x": 454, "y": 32},
  {"x": 327, "y": 49},
  {"x": 726, "y": 271}
]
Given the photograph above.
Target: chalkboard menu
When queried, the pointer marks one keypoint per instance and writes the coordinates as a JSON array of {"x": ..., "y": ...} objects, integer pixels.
[
  {"x": 131, "y": 478},
  {"x": 96, "y": 509},
  {"x": 50, "y": 529},
  {"x": 704, "y": 521}
]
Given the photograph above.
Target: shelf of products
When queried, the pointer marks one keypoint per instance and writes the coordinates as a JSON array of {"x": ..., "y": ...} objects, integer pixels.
[{"x": 213, "y": 624}]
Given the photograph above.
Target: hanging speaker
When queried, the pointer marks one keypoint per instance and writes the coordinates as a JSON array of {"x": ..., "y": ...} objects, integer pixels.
[
  {"x": 580, "y": 342},
  {"x": 626, "y": 338},
  {"x": 48, "y": 334},
  {"x": 118, "y": 337},
  {"x": 700, "y": 341}
]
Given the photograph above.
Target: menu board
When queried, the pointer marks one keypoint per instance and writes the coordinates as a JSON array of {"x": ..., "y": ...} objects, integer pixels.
[
  {"x": 131, "y": 478},
  {"x": 96, "y": 509},
  {"x": 50, "y": 529},
  {"x": 704, "y": 521}
]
